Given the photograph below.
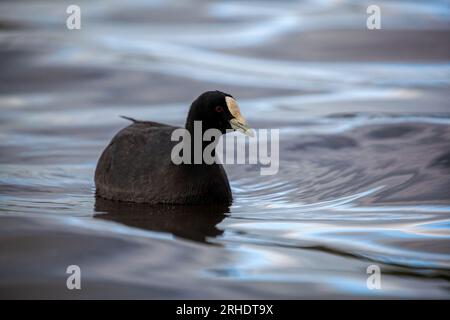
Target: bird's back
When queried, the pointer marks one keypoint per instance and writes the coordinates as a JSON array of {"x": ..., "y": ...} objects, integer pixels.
[{"x": 136, "y": 166}]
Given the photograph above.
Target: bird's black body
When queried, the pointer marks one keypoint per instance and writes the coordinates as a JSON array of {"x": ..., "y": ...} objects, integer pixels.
[{"x": 136, "y": 166}]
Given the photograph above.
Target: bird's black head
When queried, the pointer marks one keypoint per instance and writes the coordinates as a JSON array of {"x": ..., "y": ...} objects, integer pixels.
[{"x": 217, "y": 110}]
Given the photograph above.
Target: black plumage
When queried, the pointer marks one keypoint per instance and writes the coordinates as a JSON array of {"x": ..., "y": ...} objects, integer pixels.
[{"x": 136, "y": 166}]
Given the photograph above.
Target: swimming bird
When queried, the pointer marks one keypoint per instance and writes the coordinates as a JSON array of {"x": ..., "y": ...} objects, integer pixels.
[{"x": 137, "y": 166}]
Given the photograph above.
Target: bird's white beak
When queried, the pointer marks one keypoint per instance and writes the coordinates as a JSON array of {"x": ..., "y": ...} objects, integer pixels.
[
  {"x": 238, "y": 123},
  {"x": 241, "y": 127}
]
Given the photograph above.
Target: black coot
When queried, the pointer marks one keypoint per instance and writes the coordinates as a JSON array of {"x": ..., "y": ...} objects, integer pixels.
[{"x": 136, "y": 166}]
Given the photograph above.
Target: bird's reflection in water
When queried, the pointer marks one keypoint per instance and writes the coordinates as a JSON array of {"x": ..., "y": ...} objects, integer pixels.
[{"x": 194, "y": 222}]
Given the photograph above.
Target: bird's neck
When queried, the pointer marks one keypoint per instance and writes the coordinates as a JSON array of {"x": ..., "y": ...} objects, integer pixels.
[{"x": 196, "y": 130}]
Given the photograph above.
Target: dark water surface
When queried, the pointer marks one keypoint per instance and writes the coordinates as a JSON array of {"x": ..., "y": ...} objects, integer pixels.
[{"x": 364, "y": 177}]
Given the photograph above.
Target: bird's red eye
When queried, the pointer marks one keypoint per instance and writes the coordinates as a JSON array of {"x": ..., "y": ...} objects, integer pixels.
[{"x": 219, "y": 109}]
